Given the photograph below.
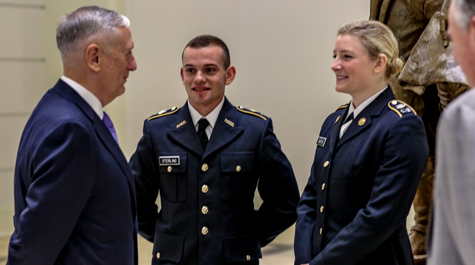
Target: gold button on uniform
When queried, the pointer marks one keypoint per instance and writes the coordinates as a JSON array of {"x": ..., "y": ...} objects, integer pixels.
[
  {"x": 248, "y": 258},
  {"x": 204, "y": 167},
  {"x": 238, "y": 169},
  {"x": 204, "y": 230},
  {"x": 337, "y": 119},
  {"x": 326, "y": 164},
  {"x": 158, "y": 255},
  {"x": 321, "y": 231},
  {"x": 205, "y": 188},
  {"x": 362, "y": 121},
  {"x": 204, "y": 210},
  {"x": 169, "y": 169},
  {"x": 321, "y": 209},
  {"x": 323, "y": 186}
]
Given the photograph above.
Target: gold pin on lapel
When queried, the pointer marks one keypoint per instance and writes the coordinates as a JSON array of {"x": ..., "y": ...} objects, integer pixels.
[
  {"x": 230, "y": 123},
  {"x": 337, "y": 119},
  {"x": 180, "y": 124},
  {"x": 362, "y": 121}
]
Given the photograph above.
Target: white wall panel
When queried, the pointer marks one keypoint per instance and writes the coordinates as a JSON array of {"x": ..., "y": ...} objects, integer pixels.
[
  {"x": 23, "y": 37},
  {"x": 11, "y": 128},
  {"x": 23, "y": 86}
]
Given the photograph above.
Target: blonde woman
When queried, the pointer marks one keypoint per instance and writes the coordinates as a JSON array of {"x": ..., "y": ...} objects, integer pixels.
[{"x": 369, "y": 158}]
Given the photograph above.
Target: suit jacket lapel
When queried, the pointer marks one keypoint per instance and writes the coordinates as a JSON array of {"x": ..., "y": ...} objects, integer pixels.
[
  {"x": 335, "y": 132},
  {"x": 364, "y": 119},
  {"x": 224, "y": 130},
  {"x": 101, "y": 130},
  {"x": 185, "y": 134}
]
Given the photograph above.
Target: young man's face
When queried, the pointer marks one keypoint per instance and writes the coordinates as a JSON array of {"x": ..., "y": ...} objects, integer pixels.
[{"x": 204, "y": 77}]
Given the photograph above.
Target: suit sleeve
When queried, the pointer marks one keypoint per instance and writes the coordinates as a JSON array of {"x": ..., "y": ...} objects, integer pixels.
[
  {"x": 454, "y": 214},
  {"x": 63, "y": 175},
  {"x": 145, "y": 171},
  {"x": 277, "y": 188},
  {"x": 304, "y": 228},
  {"x": 401, "y": 165}
]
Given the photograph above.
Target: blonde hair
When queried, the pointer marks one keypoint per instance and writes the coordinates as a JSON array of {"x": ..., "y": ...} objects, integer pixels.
[{"x": 377, "y": 39}]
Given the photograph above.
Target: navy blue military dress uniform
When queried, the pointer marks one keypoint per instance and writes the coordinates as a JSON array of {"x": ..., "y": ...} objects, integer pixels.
[
  {"x": 207, "y": 213},
  {"x": 354, "y": 207}
]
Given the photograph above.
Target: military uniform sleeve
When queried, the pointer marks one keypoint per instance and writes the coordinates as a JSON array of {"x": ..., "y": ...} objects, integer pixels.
[
  {"x": 454, "y": 214},
  {"x": 306, "y": 211},
  {"x": 63, "y": 169},
  {"x": 395, "y": 184},
  {"x": 144, "y": 168},
  {"x": 277, "y": 188}
]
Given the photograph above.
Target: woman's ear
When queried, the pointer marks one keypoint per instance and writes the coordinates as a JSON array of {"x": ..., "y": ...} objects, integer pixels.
[{"x": 380, "y": 63}]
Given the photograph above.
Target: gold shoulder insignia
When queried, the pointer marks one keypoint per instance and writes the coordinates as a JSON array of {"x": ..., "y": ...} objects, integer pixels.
[
  {"x": 400, "y": 107},
  {"x": 252, "y": 112},
  {"x": 342, "y": 107},
  {"x": 164, "y": 112}
]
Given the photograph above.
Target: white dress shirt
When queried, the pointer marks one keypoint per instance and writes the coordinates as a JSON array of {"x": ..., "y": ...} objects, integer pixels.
[{"x": 211, "y": 117}]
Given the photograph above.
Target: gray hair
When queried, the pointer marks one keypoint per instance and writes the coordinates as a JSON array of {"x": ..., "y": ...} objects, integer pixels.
[
  {"x": 87, "y": 22},
  {"x": 464, "y": 11}
]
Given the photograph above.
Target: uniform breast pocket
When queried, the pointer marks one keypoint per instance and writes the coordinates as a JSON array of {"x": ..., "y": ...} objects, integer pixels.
[
  {"x": 173, "y": 176},
  {"x": 236, "y": 175}
]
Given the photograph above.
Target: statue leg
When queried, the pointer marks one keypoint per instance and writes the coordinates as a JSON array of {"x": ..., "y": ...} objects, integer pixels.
[{"x": 436, "y": 98}]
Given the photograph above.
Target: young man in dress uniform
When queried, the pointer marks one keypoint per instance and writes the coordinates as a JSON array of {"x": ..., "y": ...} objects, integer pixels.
[{"x": 206, "y": 160}]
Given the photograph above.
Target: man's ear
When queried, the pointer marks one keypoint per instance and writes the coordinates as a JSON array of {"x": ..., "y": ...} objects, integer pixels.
[
  {"x": 94, "y": 57},
  {"x": 182, "y": 76},
  {"x": 471, "y": 32},
  {"x": 230, "y": 74},
  {"x": 380, "y": 63}
]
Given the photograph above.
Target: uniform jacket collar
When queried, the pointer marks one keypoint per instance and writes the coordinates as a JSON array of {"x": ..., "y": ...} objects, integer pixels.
[
  {"x": 223, "y": 133},
  {"x": 362, "y": 121}
]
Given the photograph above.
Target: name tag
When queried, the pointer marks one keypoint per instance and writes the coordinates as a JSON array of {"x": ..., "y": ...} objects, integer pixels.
[
  {"x": 169, "y": 160},
  {"x": 321, "y": 141}
]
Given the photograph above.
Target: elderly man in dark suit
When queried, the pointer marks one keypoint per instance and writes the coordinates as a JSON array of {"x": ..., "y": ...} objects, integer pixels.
[
  {"x": 74, "y": 192},
  {"x": 206, "y": 160}
]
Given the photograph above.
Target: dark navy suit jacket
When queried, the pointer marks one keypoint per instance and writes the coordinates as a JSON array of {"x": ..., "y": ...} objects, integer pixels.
[
  {"x": 74, "y": 192},
  {"x": 207, "y": 212},
  {"x": 354, "y": 207}
]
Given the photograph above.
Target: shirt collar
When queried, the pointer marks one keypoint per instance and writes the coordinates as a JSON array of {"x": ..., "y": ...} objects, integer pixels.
[
  {"x": 212, "y": 117},
  {"x": 363, "y": 105},
  {"x": 85, "y": 94}
]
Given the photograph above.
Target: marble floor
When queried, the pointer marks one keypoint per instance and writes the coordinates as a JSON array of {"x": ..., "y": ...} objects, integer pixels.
[{"x": 279, "y": 252}]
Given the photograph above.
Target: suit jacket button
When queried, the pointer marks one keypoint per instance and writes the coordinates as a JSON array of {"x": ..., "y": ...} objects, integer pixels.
[
  {"x": 204, "y": 230},
  {"x": 205, "y": 188},
  {"x": 321, "y": 209},
  {"x": 323, "y": 186},
  {"x": 326, "y": 163},
  {"x": 204, "y": 210},
  {"x": 238, "y": 169},
  {"x": 158, "y": 255},
  {"x": 204, "y": 167},
  {"x": 169, "y": 169},
  {"x": 248, "y": 258},
  {"x": 321, "y": 231}
]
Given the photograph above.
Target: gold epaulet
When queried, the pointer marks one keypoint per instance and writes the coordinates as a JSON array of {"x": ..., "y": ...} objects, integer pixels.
[
  {"x": 164, "y": 112},
  {"x": 342, "y": 107},
  {"x": 400, "y": 107},
  {"x": 252, "y": 112}
]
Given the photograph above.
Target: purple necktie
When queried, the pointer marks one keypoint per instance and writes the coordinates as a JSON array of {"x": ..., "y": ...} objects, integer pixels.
[{"x": 107, "y": 121}]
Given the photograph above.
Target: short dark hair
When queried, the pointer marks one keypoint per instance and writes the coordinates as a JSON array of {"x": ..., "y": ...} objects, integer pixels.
[{"x": 209, "y": 40}]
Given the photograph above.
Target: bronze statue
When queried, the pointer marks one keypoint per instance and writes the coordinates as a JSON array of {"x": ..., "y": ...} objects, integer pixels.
[{"x": 429, "y": 80}]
